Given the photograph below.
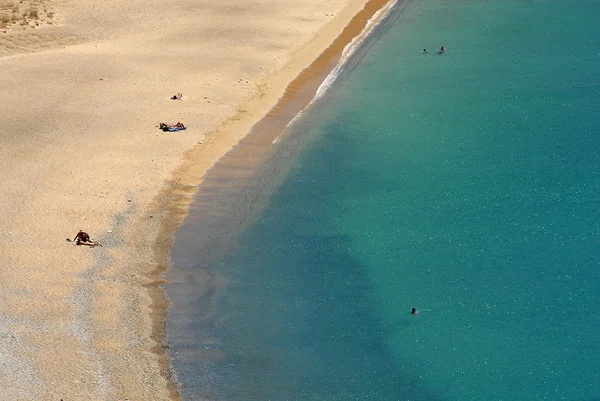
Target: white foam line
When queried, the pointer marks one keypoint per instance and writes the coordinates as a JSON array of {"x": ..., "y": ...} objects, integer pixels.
[
  {"x": 352, "y": 47},
  {"x": 348, "y": 51}
]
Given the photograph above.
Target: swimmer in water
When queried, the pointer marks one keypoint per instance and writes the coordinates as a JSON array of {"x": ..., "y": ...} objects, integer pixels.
[
  {"x": 424, "y": 50},
  {"x": 414, "y": 311},
  {"x": 442, "y": 49}
]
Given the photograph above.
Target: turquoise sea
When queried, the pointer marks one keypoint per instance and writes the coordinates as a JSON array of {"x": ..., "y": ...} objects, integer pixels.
[{"x": 464, "y": 184}]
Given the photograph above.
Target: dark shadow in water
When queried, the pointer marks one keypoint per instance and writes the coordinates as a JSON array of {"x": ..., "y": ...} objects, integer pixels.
[
  {"x": 296, "y": 322},
  {"x": 318, "y": 318}
]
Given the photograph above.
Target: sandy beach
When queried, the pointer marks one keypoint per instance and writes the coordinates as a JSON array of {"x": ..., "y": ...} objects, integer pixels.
[{"x": 83, "y": 88}]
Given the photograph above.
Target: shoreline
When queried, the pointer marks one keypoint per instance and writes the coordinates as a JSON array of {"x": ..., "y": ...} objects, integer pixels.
[
  {"x": 297, "y": 95},
  {"x": 81, "y": 153}
]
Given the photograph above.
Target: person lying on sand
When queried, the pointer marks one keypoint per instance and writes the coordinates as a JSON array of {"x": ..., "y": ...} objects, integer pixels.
[
  {"x": 171, "y": 127},
  {"x": 177, "y": 96},
  {"x": 83, "y": 238}
]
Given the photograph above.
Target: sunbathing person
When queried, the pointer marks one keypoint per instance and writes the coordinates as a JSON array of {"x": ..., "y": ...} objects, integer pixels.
[
  {"x": 171, "y": 127},
  {"x": 83, "y": 238}
]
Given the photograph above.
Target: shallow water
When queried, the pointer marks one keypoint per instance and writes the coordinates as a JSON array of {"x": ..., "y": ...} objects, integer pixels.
[{"x": 465, "y": 184}]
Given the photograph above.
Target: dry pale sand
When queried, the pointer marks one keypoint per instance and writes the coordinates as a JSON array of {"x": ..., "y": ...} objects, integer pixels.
[{"x": 82, "y": 87}]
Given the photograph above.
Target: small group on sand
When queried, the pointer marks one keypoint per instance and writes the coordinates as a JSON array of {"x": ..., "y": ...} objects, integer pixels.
[
  {"x": 171, "y": 127},
  {"x": 442, "y": 49},
  {"x": 83, "y": 238}
]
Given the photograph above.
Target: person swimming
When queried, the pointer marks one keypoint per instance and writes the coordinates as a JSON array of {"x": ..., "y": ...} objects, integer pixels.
[
  {"x": 442, "y": 49},
  {"x": 424, "y": 50},
  {"x": 414, "y": 311}
]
